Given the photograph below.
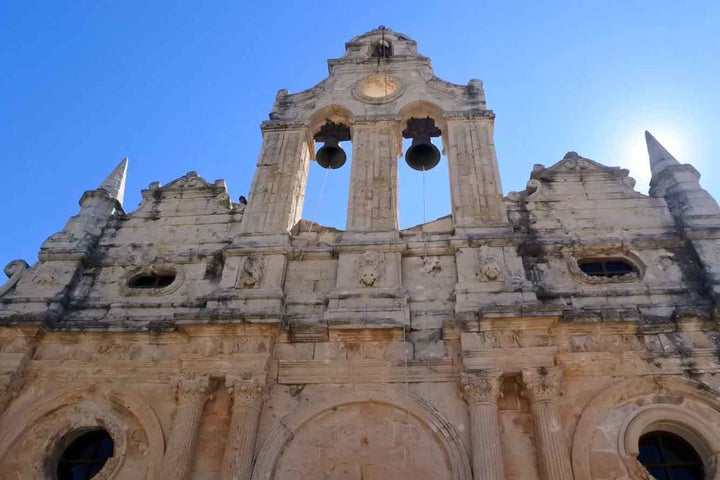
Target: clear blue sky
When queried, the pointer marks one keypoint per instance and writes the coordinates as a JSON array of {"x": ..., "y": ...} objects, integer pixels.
[{"x": 180, "y": 86}]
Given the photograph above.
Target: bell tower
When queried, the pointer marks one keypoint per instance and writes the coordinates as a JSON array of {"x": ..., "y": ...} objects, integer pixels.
[{"x": 379, "y": 92}]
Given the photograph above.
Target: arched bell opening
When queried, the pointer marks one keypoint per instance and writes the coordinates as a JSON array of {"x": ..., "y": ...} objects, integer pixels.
[
  {"x": 328, "y": 177},
  {"x": 424, "y": 195}
]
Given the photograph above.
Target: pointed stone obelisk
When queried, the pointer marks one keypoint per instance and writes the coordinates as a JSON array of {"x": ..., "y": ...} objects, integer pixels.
[
  {"x": 114, "y": 184},
  {"x": 660, "y": 158}
]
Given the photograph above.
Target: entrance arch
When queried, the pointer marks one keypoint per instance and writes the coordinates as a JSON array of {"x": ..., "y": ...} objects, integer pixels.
[{"x": 377, "y": 422}]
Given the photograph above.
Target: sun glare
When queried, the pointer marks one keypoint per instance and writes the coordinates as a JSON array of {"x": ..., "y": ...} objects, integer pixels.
[{"x": 634, "y": 155}]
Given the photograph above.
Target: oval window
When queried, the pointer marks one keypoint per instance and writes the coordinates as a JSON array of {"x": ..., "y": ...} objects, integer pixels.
[
  {"x": 605, "y": 267},
  {"x": 152, "y": 280},
  {"x": 84, "y": 457}
]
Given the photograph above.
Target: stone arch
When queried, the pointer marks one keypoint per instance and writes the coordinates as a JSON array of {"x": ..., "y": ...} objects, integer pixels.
[
  {"x": 421, "y": 109},
  {"x": 279, "y": 439},
  {"x": 333, "y": 112},
  {"x": 17, "y": 423},
  {"x": 639, "y": 405}
]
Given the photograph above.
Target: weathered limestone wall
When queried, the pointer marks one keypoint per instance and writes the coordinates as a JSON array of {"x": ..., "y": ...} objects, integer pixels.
[{"x": 471, "y": 347}]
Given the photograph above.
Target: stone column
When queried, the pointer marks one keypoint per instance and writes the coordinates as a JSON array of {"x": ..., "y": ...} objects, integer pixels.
[
  {"x": 278, "y": 189},
  {"x": 373, "y": 202},
  {"x": 475, "y": 189},
  {"x": 247, "y": 396},
  {"x": 480, "y": 389},
  {"x": 192, "y": 393},
  {"x": 542, "y": 387},
  {"x": 10, "y": 384}
]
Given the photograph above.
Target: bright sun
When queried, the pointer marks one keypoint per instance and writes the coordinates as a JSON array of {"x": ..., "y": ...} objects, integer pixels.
[{"x": 635, "y": 156}]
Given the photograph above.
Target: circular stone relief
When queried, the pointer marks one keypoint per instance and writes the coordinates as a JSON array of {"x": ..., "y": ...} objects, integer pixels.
[{"x": 378, "y": 89}]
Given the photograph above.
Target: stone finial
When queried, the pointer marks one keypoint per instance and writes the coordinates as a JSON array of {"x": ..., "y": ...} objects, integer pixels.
[
  {"x": 114, "y": 184},
  {"x": 542, "y": 384},
  {"x": 481, "y": 386},
  {"x": 660, "y": 158}
]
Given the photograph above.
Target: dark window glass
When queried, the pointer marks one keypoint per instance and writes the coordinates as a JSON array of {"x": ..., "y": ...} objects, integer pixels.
[
  {"x": 668, "y": 457},
  {"x": 151, "y": 280},
  {"x": 605, "y": 268},
  {"x": 85, "y": 456}
]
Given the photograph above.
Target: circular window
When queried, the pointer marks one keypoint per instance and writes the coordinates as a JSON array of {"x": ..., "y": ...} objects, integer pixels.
[
  {"x": 85, "y": 456},
  {"x": 669, "y": 457}
]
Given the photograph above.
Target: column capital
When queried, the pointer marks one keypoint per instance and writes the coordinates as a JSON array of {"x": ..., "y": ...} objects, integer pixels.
[
  {"x": 243, "y": 389},
  {"x": 193, "y": 388},
  {"x": 542, "y": 384},
  {"x": 480, "y": 386}
]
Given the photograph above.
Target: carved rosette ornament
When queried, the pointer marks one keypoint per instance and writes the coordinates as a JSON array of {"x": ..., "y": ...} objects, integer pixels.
[{"x": 480, "y": 386}]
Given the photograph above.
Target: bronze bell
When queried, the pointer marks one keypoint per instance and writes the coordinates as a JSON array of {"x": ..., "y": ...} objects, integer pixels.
[
  {"x": 331, "y": 155},
  {"x": 422, "y": 154}
]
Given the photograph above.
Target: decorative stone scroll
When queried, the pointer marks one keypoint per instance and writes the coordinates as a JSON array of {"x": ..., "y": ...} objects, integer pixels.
[
  {"x": 14, "y": 271},
  {"x": 481, "y": 389}
]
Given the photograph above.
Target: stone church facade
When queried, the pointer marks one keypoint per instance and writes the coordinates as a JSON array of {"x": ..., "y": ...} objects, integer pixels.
[{"x": 545, "y": 334}]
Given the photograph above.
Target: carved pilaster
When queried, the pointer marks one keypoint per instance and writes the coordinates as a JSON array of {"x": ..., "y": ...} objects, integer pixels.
[
  {"x": 247, "y": 397},
  {"x": 542, "y": 387},
  {"x": 475, "y": 189},
  {"x": 192, "y": 393},
  {"x": 481, "y": 389},
  {"x": 373, "y": 203}
]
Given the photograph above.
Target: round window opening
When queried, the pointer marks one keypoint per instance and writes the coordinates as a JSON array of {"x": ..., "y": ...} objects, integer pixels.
[
  {"x": 669, "y": 457},
  {"x": 85, "y": 456}
]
